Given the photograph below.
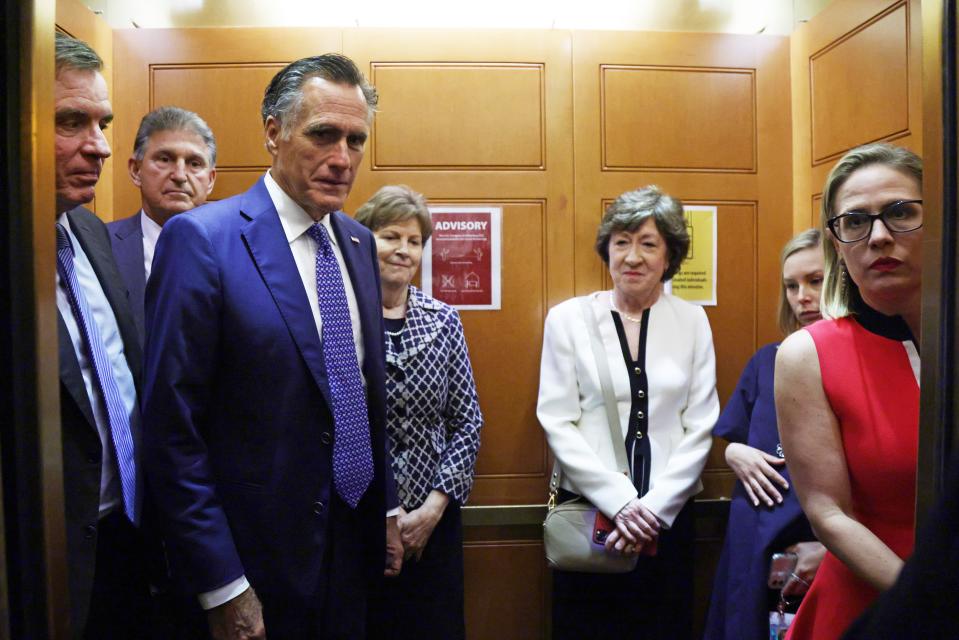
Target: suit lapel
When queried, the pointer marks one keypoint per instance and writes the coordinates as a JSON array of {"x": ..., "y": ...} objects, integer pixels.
[
  {"x": 70, "y": 374},
  {"x": 267, "y": 243},
  {"x": 127, "y": 241},
  {"x": 96, "y": 244}
]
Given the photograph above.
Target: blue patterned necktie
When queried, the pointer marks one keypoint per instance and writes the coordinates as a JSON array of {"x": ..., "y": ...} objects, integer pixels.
[
  {"x": 352, "y": 454},
  {"x": 103, "y": 373}
]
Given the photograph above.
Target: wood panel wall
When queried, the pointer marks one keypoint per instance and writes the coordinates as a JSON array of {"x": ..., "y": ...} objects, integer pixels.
[
  {"x": 705, "y": 117},
  {"x": 550, "y": 125},
  {"x": 856, "y": 78}
]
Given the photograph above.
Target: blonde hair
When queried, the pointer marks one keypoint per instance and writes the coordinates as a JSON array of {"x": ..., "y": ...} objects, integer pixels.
[
  {"x": 840, "y": 295},
  {"x": 808, "y": 239}
]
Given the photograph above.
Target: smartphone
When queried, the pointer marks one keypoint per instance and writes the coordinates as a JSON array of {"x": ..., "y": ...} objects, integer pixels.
[
  {"x": 602, "y": 527},
  {"x": 781, "y": 567}
]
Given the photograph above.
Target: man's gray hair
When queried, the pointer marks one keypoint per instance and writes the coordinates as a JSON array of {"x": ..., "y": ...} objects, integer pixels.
[
  {"x": 173, "y": 119},
  {"x": 284, "y": 94},
  {"x": 71, "y": 53},
  {"x": 630, "y": 210}
]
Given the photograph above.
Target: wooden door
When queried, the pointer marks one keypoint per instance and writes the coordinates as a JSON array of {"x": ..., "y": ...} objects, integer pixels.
[
  {"x": 856, "y": 78},
  {"x": 483, "y": 117}
]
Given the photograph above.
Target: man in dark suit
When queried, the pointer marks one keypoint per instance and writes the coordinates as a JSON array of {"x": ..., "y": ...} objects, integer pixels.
[
  {"x": 264, "y": 400},
  {"x": 174, "y": 166},
  {"x": 100, "y": 363}
]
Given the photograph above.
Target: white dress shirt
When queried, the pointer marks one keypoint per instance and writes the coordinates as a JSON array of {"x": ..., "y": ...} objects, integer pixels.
[
  {"x": 295, "y": 221},
  {"x": 151, "y": 232},
  {"x": 106, "y": 322}
]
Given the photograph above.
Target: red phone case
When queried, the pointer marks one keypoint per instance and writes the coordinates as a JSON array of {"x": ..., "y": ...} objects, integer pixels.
[{"x": 602, "y": 527}]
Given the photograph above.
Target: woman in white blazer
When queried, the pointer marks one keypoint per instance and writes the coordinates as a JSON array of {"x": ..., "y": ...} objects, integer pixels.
[{"x": 660, "y": 354}]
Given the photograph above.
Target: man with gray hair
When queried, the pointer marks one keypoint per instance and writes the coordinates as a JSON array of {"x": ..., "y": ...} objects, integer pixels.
[
  {"x": 100, "y": 364},
  {"x": 265, "y": 392},
  {"x": 174, "y": 166}
]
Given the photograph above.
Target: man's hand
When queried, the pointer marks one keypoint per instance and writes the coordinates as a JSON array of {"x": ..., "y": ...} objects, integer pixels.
[
  {"x": 394, "y": 548},
  {"x": 417, "y": 526},
  {"x": 238, "y": 619}
]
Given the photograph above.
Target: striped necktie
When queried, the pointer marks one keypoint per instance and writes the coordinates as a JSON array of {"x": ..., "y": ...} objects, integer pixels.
[
  {"x": 106, "y": 384},
  {"x": 352, "y": 453}
]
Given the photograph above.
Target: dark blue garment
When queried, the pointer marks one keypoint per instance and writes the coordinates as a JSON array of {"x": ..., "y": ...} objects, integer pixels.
[
  {"x": 739, "y": 609},
  {"x": 126, "y": 239}
]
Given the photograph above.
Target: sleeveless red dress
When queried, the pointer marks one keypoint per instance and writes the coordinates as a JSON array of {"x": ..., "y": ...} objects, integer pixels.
[{"x": 870, "y": 380}]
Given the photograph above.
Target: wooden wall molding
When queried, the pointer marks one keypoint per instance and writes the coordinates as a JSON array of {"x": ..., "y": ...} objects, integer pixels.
[
  {"x": 856, "y": 76},
  {"x": 678, "y": 118},
  {"x": 499, "y": 436},
  {"x": 499, "y": 108},
  {"x": 498, "y": 605},
  {"x": 228, "y": 97},
  {"x": 816, "y": 211},
  {"x": 860, "y": 85}
]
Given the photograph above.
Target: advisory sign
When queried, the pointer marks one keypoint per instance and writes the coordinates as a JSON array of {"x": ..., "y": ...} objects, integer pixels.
[
  {"x": 462, "y": 264},
  {"x": 696, "y": 280}
]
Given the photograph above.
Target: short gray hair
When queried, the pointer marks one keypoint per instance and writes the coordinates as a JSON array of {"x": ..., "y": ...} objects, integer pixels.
[
  {"x": 71, "y": 53},
  {"x": 395, "y": 203},
  {"x": 630, "y": 210},
  {"x": 840, "y": 294},
  {"x": 284, "y": 94},
  {"x": 173, "y": 119}
]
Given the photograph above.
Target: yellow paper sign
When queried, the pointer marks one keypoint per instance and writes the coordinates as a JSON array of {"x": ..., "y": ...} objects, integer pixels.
[{"x": 696, "y": 280}]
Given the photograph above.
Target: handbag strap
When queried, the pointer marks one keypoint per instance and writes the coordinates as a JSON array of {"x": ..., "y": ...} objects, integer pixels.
[{"x": 606, "y": 385}]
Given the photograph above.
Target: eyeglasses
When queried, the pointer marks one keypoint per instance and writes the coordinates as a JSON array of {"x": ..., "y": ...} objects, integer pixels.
[{"x": 901, "y": 216}]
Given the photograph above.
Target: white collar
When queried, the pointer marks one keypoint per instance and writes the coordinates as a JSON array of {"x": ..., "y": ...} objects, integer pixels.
[
  {"x": 294, "y": 219},
  {"x": 151, "y": 230}
]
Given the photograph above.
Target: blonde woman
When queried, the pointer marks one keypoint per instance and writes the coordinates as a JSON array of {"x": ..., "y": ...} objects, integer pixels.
[
  {"x": 765, "y": 516},
  {"x": 847, "y": 389}
]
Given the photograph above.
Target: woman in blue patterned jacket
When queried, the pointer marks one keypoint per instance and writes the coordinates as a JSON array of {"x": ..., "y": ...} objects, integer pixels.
[{"x": 433, "y": 421}]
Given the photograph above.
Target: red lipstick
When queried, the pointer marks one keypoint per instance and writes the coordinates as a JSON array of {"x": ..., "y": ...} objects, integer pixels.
[{"x": 885, "y": 264}]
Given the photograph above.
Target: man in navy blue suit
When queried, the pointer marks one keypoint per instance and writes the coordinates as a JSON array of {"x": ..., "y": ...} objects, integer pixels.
[
  {"x": 264, "y": 394},
  {"x": 174, "y": 167}
]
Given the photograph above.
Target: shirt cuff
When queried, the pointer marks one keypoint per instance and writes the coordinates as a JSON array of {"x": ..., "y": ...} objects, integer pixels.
[
  {"x": 224, "y": 594},
  {"x": 395, "y": 511}
]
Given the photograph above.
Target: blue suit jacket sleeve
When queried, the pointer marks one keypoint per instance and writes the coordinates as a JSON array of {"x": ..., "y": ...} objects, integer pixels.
[{"x": 183, "y": 300}]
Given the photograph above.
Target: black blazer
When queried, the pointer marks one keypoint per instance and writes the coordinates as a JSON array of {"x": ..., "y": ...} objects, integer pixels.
[{"x": 81, "y": 441}]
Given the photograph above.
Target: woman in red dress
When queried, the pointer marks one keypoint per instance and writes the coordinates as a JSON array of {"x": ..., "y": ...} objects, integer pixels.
[{"x": 847, "y": 388}]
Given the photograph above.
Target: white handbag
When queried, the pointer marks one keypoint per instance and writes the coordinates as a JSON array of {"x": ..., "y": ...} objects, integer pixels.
[{"x": 569, "y": 531}]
